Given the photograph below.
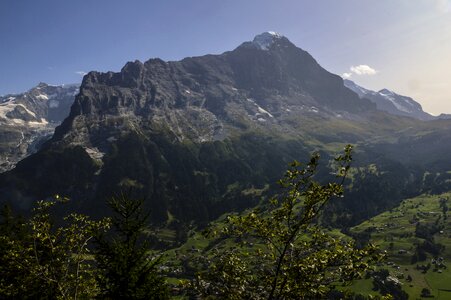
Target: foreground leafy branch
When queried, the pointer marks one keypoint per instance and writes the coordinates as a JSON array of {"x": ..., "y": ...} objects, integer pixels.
[
  {"x": 41, "y": 260},
  {"x": 78, "y": 258},
  {"x": 291, "y": 256}
]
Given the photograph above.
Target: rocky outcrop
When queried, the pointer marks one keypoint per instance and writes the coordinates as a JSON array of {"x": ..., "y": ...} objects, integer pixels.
[{"x": 28, "y": 119}]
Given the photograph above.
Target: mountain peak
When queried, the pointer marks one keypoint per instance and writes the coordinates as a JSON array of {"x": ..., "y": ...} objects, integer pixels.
[
  {"x": 391, "y": 102},
  {"x": 266, "y": 39},
  {"x": 386, "y": 92},
  {"x": 361, "y": 91},
  {"x": 42, "y": 85}
]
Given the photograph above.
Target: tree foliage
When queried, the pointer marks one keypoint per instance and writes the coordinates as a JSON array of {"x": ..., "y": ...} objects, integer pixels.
[
  {"x": 126, "y": 269},
  {"x": 42, "y": 260},
  {"x": 291, "y": 257}
]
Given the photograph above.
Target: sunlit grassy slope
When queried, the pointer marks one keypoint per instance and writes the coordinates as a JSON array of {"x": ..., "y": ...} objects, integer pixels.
[{"x": 395, "y": 232}]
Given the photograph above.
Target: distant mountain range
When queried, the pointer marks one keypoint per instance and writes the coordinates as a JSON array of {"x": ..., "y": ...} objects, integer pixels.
[
  {"x": 212, "y": 134},
  {"x": 28, "y": 118},
  {"x": 391, "y": 102}
]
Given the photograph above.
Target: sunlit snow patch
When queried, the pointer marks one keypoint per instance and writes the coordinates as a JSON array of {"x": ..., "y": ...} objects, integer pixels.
[
  {"x": 266, "y": 39},
  {"x": 42, "y": 97}
]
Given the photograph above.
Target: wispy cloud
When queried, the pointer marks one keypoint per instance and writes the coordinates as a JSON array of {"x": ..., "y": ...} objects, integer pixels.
[
  {"x": 359, "y": 70},
  {"x": 81, "y": 73}
]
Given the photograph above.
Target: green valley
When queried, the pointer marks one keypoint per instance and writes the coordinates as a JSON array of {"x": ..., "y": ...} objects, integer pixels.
[{"x": 417, "y": 237}]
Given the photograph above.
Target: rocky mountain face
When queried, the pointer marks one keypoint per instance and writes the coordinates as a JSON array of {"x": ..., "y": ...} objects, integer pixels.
[
  {"x": 206, "y": 98},
  {"x": 28, "y": 119},
  {"x": 391, "y": 102},
  {"x": 201, "y": 136}
]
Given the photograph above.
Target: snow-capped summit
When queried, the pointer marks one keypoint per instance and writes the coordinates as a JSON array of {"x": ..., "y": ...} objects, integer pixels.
[
  {"x": 41, "y": 104},
  {"x": 402, "y": 103},
  {"x": 28, "y": 118},
  {"x": 391, "y": 102},
  {"x": 266, "y": 39},
  {"x": 361, "y": 91}
]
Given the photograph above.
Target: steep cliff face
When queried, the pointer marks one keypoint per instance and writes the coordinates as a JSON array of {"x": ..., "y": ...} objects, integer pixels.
[
  {"x": 196, "y": 137},
  {"x": 206, "y": 98}
]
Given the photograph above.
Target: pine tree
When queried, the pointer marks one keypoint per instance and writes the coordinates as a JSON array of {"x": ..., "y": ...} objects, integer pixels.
[{"x": 126, "y": 269}]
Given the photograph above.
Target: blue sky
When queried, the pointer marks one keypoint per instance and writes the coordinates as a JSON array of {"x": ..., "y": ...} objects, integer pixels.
[{"x": 403, "y": 45}]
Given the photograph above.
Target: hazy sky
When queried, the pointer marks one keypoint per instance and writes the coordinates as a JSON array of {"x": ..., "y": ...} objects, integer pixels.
[{"x": 403, "y": 45}]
